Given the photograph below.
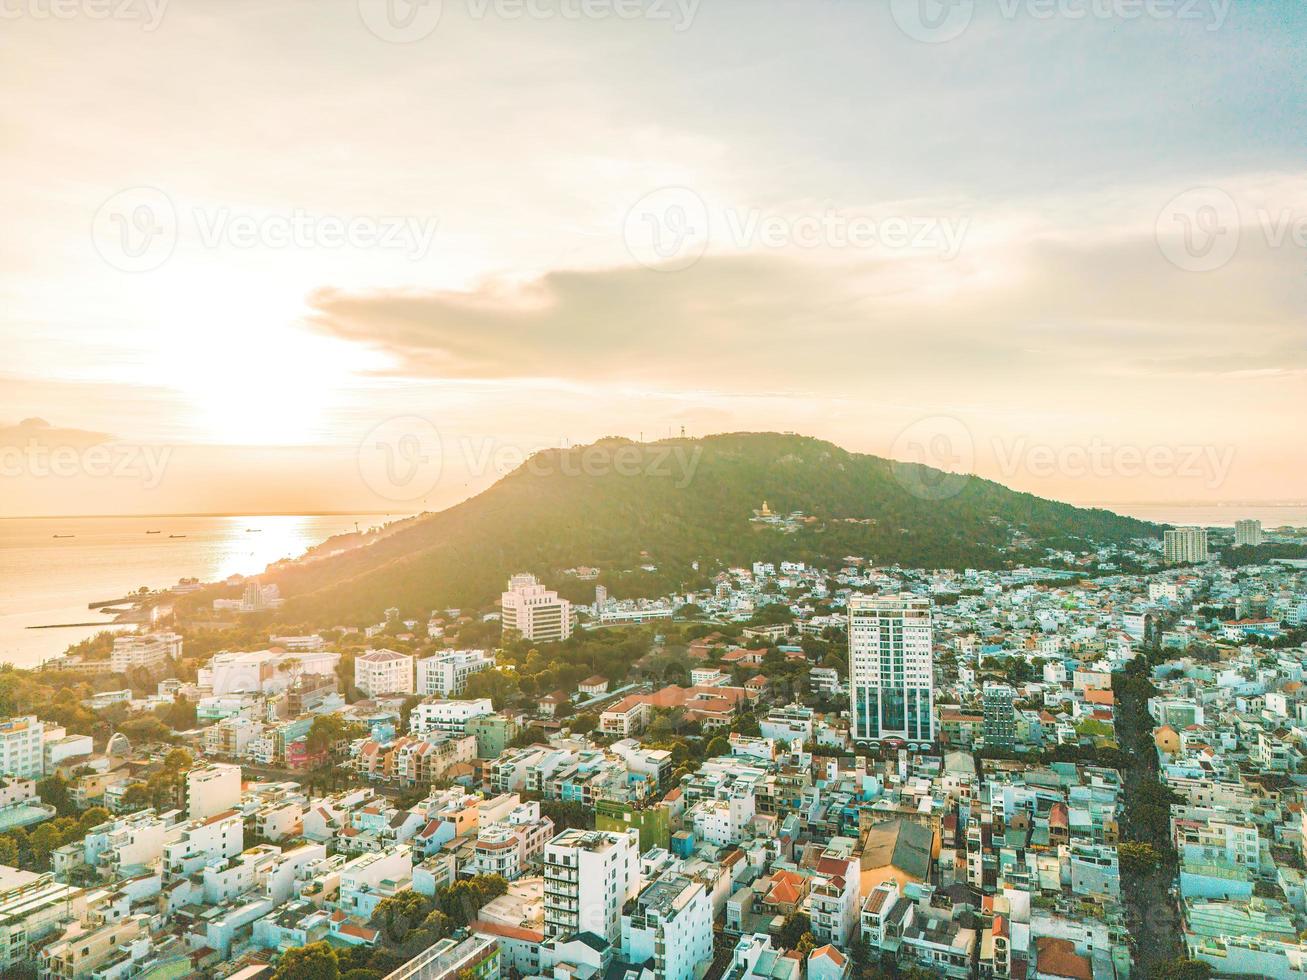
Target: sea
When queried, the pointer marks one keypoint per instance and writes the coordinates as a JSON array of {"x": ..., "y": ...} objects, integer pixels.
[{"x": 51, "y": 568}]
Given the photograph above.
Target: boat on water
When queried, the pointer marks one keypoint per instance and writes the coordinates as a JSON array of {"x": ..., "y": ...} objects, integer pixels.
[
  {"x": 176, "y": 535},
  {"x": 254, "y": 530},
  {"x": 64, "y": 535},
  {"x": 152, "y": 532}
]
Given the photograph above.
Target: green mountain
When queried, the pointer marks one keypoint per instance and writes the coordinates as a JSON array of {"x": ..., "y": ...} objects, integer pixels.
[{"x": 619, "y": 506}]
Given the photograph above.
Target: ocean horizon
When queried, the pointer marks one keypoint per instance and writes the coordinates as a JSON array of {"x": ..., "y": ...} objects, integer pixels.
[{"x": 47, "y": 580}]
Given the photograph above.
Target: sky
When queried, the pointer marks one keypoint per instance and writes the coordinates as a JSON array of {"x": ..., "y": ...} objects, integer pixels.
[{"x": 365, "y": 255}]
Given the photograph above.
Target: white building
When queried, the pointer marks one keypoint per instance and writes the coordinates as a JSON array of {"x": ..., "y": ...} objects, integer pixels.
[
  {"x": 722, "y": 822},
  {"x": 129, "y": 842},
  {"x": 627, "y": 717},
  {"x": 146, "y": 651},
  {"x": 446, "y": 674},
  {"x": 262, "y": 671},
  {"x": 670, "y": 927},
  {"x": 589, "y": 876},
  {"x": 534, "y": 612},
  {"x": 57, "y": 747},
  {"x": 508, "y": 846},
  {"x": 790, "y": 723},
  {"x": 212, "y": 789},
  {"x": 450, "y": 717},
  {"x": 32, "y": 907},
  {"x": 1185, "y": 544},
  {"x": 1247, "y": 533},
  {"x": 22, "y": 747},
  {"x": 204, "y": 842},
  {"x": 380, "y": 672},
  {"x": 891, "y": 668}
]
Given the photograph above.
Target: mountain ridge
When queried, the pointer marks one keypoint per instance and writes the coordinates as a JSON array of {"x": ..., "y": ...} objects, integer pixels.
[{"x": 619, "y": 505}]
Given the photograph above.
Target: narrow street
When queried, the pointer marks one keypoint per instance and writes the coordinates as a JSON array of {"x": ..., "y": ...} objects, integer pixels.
[{"x": 1151, "y": 911}]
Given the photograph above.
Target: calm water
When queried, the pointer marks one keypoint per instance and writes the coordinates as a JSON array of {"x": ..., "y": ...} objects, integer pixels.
[
  {"x": 46, "y": 580},
  {"x": 1215, "y": 515}
]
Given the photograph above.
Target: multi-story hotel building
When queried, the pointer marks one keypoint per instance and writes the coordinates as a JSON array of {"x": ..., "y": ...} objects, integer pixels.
[
  {"x": 1247, "y": 533},
  {"x": 891, "y": 668},
  {"x": 530, "y": 610},
  {"x": 1185, "y": 544}
]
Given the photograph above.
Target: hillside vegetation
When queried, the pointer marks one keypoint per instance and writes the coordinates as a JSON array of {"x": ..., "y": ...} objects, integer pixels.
[{"x": 620, "y": 505}]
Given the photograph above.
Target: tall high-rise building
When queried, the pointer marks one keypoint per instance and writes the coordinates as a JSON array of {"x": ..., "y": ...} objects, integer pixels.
[
  {"x": 999, "y": 701},
  {"x": 1247, "y": 533},
  {"x": 1185, "y": 544},
  {"x": 891, "y": 668},
  {"x": 534, "y": 612},
  {"x": 589, "y": 876}
]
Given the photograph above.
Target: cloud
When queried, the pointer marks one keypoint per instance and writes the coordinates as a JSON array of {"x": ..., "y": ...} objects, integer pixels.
[{"x": 1044, "y": 311}]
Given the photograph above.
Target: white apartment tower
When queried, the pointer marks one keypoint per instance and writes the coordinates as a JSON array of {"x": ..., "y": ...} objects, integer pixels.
[
  {"x": 891, "y": 668},
  {"x": 534, "y": 612},
  {"x": 380, "y": 672},
  {"x": 22, "y": 747},
  {"x": 1247, "y": 533},
  {"x": 1185, "y": 544},
  {"x": 589, "y": 876}
]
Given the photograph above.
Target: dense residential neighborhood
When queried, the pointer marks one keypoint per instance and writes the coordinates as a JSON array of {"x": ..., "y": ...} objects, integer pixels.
[{"x": 1086, "y": 767}]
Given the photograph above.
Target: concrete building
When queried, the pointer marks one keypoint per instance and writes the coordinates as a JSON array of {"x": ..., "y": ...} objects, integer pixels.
[
  {"x": 32, "y": 907},
  {"x": 59, "y": 748},
  {"x": 530, "y": 610},
  {"x": 589, "y": 876},
  {"x": 627, "y": 717},
  {"x": 450, "y": 717},
  {"x": 446, "y": 674},
  {"x": 212, "y": 789},
  {"x": 22, "y": 747},
  {"x": 83, "y": 950},
  {"x": 891, "y": 668},
  {"x": 493, "y": 733},
  {"x": 204, "y": 842},
  {"x": 123, "y": 845},
  {"x": 379, "y": 672},
  {"x": 1248, "y": 533},
  {"x": 1185, "y": 544},
  {"x": 669, "y": 927},
  {"x": 148, "y": 651}
]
